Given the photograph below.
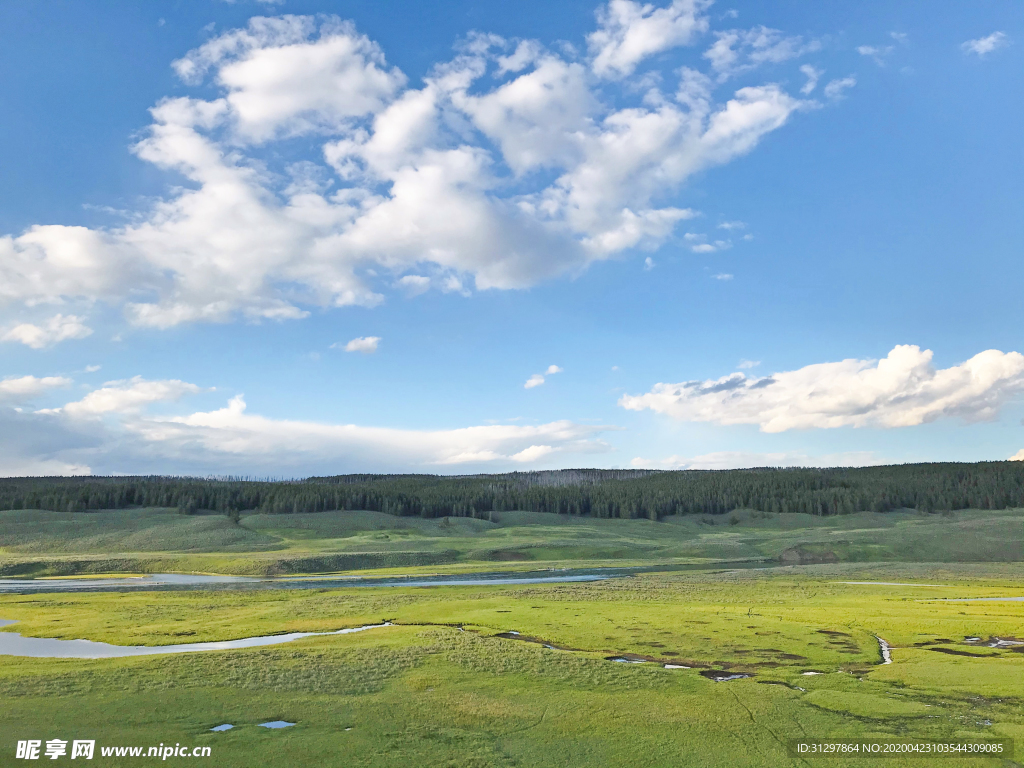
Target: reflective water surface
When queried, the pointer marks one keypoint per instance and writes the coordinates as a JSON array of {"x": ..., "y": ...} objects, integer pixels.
[
  {"x": 190, "y": 581},
  {"x": 13, "y": 644}
]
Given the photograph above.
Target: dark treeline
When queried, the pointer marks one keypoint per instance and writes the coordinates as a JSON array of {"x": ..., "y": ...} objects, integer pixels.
[{"x": 598, "y": 493}]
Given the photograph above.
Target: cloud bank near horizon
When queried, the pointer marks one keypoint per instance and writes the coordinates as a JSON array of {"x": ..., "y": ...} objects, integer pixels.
[
  {"x": 134, "y": 425},
  {"x": 901, "y": 390},
  {"x": 115, "y": 429}
]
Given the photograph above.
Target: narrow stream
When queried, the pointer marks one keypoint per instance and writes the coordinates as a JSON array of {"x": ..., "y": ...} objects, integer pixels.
[
  {"x": 13, "y": 644},
  {"x": 885, "y": 650}
]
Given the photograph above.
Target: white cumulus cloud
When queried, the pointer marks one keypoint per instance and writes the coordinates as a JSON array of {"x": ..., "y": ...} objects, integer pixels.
[
  {"x": 539, "y": 378},
  {"x": 629, "y": 32},
  {"x": 16, "y": 389},
  {"x": 533, "y": 453},
  {"x": 58, "y": 328},
  {"x": 415, "y": 284},
  {"x": 128, "y": 396},
  {"x": 286, "y": 76},
  {"x": 901, "y": 390},
  {"x": 365, "y": 344},
  {"x": 405, "y": 187},
  {"x": 718, "y": 245},
  {"x": 1018, "y": 456}
]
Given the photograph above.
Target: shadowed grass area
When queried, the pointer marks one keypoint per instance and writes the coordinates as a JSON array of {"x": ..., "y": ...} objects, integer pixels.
[
  {"x": 34, "y": 543},
  {"x": 427, "y": 693},
  {"x": 125, "y": 530}
]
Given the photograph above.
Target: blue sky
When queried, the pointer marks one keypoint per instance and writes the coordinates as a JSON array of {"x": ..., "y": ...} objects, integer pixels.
[{"x": 308, "y": 237}]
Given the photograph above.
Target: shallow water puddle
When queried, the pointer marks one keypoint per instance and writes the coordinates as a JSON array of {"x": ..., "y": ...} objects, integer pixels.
[
  {"x": 994, "y": 642},
  {"x": 276, "y": 724},
  {"x": 721, "y": 675},
  {"x": 225, "y": 727}
]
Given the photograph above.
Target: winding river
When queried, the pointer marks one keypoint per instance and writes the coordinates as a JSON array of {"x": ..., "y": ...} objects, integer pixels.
[
  {"x": 12, "y": 644},
  {"x": 187, "y": 581},
  {"x": 159, "y": 582}
]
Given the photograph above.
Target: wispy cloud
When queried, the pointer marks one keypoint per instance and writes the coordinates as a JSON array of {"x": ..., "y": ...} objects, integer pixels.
[
  {"x": 741, "y": 50},
  {"x": 877, "y": 53},
  {"x": 983, "y": 46},
  {"x": 813, "y": 74},
  {"x": 834, "y": 90},
  {"x": 414, "y": 285}
]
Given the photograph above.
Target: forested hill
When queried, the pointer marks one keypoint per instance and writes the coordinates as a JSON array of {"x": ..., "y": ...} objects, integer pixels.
[{"x": 599, "y": 493}]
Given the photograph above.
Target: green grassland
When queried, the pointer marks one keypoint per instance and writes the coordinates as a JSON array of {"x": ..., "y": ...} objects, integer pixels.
[
  {"x": 41, "y": 543},
  {"x": 441, "y": 688}
]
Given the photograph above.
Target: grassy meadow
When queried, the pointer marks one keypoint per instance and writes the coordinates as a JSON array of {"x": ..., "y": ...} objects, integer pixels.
[
  {"x": 426, "y": 692},
  {"x": 447, "y": 685}
]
